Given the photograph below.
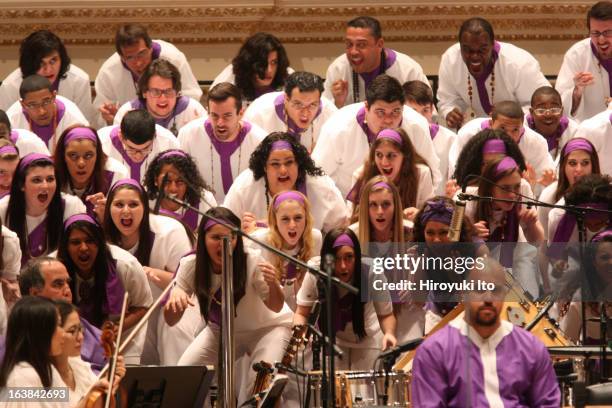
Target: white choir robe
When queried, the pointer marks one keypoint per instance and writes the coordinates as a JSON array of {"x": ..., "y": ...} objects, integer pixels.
[
  {"x": 163, "y": 140},
  {"x": 443, "y": 138},
  {"x": 568, "y": 132},
  {"x": 547, "y": 196},
  {"x": 115, "y": 83},
  {"x": 27, "y": 142},
  {"x": 532, "y": 145},
  {"x": 11, "y": 261},
  {"x": 195, "y": 140},
  {"x": 187, "y": 110},
  {"x": 326, "y": 203},
  {"x": 598, "y": 131},
  {"x": 164, "y": 345},
  {"x": 24, "y": 376},
  {"x": 75, "y": 87},
  {"x": 71, "y": 116},
  {"x": 580, "y": 58},
  {"x": 400, "y": 66},
  {"x": 517, "y": 76},
  {"x": 343, "y": 144},
  {"x": 268, "y": 113}
]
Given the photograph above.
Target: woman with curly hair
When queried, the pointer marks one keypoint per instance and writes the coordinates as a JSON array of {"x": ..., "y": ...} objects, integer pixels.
[
  {"x": 43, "y": 53},
  {"x": 278, "y": 164},
  {"x": 182, "y": 181},
  {"x": 392, "y": 155},
  {"x": 83, "y": 169},
  {"x": 261, "y": 66}
]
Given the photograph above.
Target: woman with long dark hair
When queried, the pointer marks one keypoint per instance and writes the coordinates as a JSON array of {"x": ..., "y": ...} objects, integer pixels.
[{"x": 262, "y": 318}]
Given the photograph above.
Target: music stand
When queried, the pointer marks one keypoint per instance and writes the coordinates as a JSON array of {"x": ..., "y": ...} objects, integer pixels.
[{"x": 167, "y": 386}]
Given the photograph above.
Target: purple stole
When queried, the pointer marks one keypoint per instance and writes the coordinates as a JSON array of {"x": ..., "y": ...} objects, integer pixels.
[
  {"x": 37, "y": 239},
  {"x": 606, "y": 64},
  {"x": 134, "y": 167},
  {"x": 292, "y": 128},
  {"x": 91, "y": 350},
  {"x": 433, "y": 130},
  {"x": 343, "y": 310},
  {"x": 189, "y": 217},
  {"x": 225, "y": 151},
  {"x": 368, "y": 77},
  {"x": 114, "y": 294},
  {"x": 481, "y": 80},
  {"x": 181, "y": 105},
  {"x": 45, "y": 133},
  {"x": 510, "y": 236},
  {"x": 154, "y": 55},
  {"x": 552, "y": 140}
]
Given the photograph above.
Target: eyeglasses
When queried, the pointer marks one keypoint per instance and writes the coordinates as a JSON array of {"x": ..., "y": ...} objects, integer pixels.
[
  {"x": 156, "y": 93},
  {"x": 313, "y": 107},
  {"x": 75, "y": 331},
  {"x": 597, "y": 34},
  {"x": 35, "y": 105},
  {"x": 549, "y": 111},
  {"x": 145, "y": 151},
  {"x": 142, "y": 54}
]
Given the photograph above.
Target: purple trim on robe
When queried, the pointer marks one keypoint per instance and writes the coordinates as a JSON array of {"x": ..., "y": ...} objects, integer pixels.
[
  {"x": 606, "y": 64},
  {"x": 154, "y": 55},
  {"x": 182, "y": 102},
  {"x": 45, "y": 133},
  {"x": 448, "y": 372},
  {"x": 37, "y": 239},
  {"x": 433, "y": 130},
  {"x": 481, "y": 85},
  {"x": 114, "y": 294},
  {"x": 553, "y": 140},
  {"x": 368, "y": 77},
  {"x": 343, "y": 310},
  {"x": 133, "y": 166},
  {"x": 292, "y": 127},
  {"x": 225, "y": 151},
  {"x": 91, "y": 349},
  {"x": 510, "y": 235},
  {"x": 189, "y": 216},
  {"x": 14, "y": 136},
  {"x": 361, "y": 113}
]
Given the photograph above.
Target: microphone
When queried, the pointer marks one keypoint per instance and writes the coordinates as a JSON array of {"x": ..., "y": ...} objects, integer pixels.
[
  {"x": 161, "y": 193},
  {"x": 454, "y": 232},
  {"x": 402, "y": 348}
]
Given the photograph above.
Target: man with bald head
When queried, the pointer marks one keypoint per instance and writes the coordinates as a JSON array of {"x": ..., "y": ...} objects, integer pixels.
[
  {"x": 480, "y": 360},
  {"x": 478, "y": 72}
]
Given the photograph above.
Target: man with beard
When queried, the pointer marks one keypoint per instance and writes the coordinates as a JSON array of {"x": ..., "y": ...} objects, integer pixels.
[{"x": 481, "y": 360}]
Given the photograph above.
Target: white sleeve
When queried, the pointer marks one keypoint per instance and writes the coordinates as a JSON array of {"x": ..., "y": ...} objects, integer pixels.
[
  {"x": 424, "y": 146},
  {"x": 135, "y": 283},
  {"x": 11, "y": 254},
  {"x": 125, "y": 108},
  {"x": 448, "y": 97},
  {"x": 176, "y": 245},
  {"x": 308, "y": 292},
  {"x": 323, "y": 153},
  {"x": 189, "y": 83},
  {"x": 529, "y": 78},
  {"x": 425, "y": 189},
  {"x": 554, "y": 217},
  {"x": 234, "y": 200},
  {"x": 104, "y": 86},
  {"x": 185, "y": 274},
  {"x": 335, "y": 213},
  {"x": 565, "y": 84},
  {"x": 73, "y": 206}
]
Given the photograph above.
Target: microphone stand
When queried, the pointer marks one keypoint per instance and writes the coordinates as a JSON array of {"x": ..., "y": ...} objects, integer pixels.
[{"x": 326, "y": 278}]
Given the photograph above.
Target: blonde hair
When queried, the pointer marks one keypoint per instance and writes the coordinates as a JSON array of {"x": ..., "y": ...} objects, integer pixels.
[
  {"x": 364, "y": 214},
  {"x": 276, "y": 239}
]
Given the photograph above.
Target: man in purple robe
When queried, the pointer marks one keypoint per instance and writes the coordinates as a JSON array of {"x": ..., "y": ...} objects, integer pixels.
[
  {"x": 480, "y": 360},
  {"x": 47, "y": 277}
]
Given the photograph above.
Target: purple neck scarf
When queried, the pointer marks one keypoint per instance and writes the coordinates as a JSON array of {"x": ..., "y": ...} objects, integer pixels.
[
  {"x": 433, "y": 130},
  {"x": 225, "y": 151},
  {"x": 368, "y": 77},
  {"x": 607, "y": 64},
  {"x": 552, "y": 140},
  {"x": 292, "y": 127},
  {"x": 154, "y": 55},
  {"x": 482, "y": 78},
  {"x": 47, "y": 132},
  {"x": 181, "y": 104},
  {"x": 134, "y": 167}
]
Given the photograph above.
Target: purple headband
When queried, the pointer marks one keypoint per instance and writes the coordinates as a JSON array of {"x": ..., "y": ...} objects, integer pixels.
[
  {"x": 210, "y": 223},
  {"x": 390, "y": 134},
  {"x": 288, "y": 195},
  {"x": 126, "y": 181},
  {"x": 78, "y": 217},
  {"x": 506, "y": 163},
  {"x": 80, "y": 133},
  {"x": 343, "y": 240},
  {"x": 170, "y": 153},
  {"x": 382, "y": 184},
  {"x": 601, "y": 235},
  {"x": 8, "y": 149},
  {"x": 29, "y": 158},
  {"x": 494, "y": 146},
  {"x": 437, "y": 211},
  {"x": 577, "y": 144},
  {"x": 281, "y": 145}
]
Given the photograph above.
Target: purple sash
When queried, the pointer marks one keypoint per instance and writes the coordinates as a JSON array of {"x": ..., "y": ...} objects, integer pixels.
[
  {"x": 607, "y": 64},
  {"x": 225, "y": 151},
  {"x": 114, "y": 294},
  {"x": 481, "y": 80},
  {"x": 134, "y": 167},
  {"x": 368, "y": 77},
  {"x": 182, "y": 102},
  {"x": 510, "y": 236},
  {"x": 293, "y": 128},
  {"x": 45, "y": 133},
  {"x": 91, "y": 350},
  {"x": 154, "y": 55},
  {"x": 343, "y": 311},
  {"x": 433, "y": 130},
  {"x": 189, "y": 217},
  {"x": 552, "y": 140},
  {"x": 37, "y": 239}
]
